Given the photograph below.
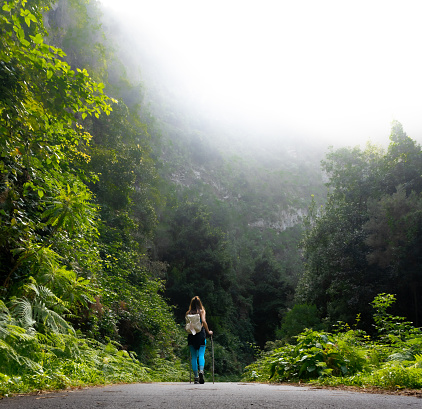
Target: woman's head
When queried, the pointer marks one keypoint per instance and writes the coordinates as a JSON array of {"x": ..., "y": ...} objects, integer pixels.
[{"x": 195, "y": 304}]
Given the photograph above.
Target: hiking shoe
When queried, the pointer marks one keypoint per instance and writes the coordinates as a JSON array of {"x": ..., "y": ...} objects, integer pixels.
[
  {"x": 195, "y": 380},
  {"x": 201, "y": 378}
]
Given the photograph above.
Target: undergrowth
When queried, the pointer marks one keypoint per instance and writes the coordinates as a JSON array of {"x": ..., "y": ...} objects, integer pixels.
[
  {"x": 33, "y": 361},
  {"x": 392, "y": 359}
]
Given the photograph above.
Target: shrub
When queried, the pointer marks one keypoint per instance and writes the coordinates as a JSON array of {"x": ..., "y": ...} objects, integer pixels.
[
  {"x": 349, "y": 356},
  {"x": 395, "y": 375},
  {"x": 316, "y": 354}
]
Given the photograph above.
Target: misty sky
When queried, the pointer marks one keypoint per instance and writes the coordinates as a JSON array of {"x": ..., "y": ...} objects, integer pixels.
[{"x": 324, "y": 68}]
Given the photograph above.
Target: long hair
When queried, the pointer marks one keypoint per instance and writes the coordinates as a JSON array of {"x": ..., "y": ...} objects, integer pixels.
[{"x": 195, "y": 305}]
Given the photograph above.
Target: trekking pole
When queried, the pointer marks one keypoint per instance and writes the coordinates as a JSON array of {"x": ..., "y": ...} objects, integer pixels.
[
  {"x": 190, "y": 366},
  {"x": 212, "y": 349}
]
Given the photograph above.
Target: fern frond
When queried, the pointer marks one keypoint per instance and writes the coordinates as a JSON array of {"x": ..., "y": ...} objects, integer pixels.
[
  {"x": 45, "y": 293},
  {"x": 5, "y": 320},
  {"x": 8, "y": 350},
  {"x": 31, "y": 287},
  {"x": 51, "y": 319},
  {"x": 43, "y": 339},
  {"x": 53, "y": 339},
  {"x": 3, "y": 307},
  {"x": 29, "y": 363},
  {"x": 40, "y": 258},
  {"x": 68, "y": 286},
  {"x": 418, "y": 359},
  {"x": 11, "y": 354},
  {"x": 18, "y": 333},
  {"x": 23, "y": 312}
]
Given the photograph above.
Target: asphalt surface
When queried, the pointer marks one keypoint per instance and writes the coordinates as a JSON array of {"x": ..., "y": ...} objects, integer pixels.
[{"x": 209, "y": 395}]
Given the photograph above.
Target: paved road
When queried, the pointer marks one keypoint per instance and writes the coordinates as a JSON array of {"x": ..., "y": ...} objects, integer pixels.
[{"x": 216, "y": 396}]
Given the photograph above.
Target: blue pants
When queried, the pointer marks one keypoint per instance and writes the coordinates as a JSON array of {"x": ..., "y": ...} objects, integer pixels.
[{"x": 197, "y": 355}]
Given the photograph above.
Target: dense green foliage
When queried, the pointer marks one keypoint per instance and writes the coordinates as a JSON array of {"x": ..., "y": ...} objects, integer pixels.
[
  {"x": 390, "y": 360},
  {"x": 77, "y": 195},
  {"x": 367, "y": 238},
  {"x": 35, "y": 359}
]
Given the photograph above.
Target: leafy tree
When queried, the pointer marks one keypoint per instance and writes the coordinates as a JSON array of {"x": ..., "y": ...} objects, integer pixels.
[
  {"x": 403, "y": 162},
  {"x": 43, "y": 203},
  {"x": 394, "y": 236},
  {"x": 300, "y": 317},
  {"x": 363, "y": 221},
  {"x": 270, "y": 296},
  {"x": 198, "y": 263}
]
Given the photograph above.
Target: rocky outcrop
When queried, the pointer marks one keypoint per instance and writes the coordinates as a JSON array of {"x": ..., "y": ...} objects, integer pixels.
[{"x": 283, "y": 219}]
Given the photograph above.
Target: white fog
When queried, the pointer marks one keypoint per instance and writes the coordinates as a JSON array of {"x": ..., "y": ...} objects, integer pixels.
[{"x": 323, "y": 69}]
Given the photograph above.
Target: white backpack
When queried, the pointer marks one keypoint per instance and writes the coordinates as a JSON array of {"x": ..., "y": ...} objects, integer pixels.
[{"x": 193, "y": 323}]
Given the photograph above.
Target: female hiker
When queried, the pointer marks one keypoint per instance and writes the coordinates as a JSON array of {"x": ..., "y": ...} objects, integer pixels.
[{"x": 196, "y": 325}]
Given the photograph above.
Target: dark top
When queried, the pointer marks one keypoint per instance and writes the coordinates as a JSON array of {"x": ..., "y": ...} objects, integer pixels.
[{"x": 199, "y": 338}]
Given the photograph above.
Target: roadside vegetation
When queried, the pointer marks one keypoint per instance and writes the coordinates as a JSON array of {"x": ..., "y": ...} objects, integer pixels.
[
  {"x": 77, "y": 291},
  {"x": 348, "y": 356},
  {"x": 59, "y": 358}
]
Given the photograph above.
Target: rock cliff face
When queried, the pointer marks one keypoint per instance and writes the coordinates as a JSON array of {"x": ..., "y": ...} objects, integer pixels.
[
  {"x": 190, "y": 177},
  {"x": 283, "y": 219}
]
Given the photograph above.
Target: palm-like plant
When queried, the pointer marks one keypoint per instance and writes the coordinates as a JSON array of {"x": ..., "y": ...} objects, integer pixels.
[
  {"x": 41, "y": 309},
  {"x": 12, "y": 333},
  {"x": 31, "y": 316},
  {"x": 77, "y": 291}
]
